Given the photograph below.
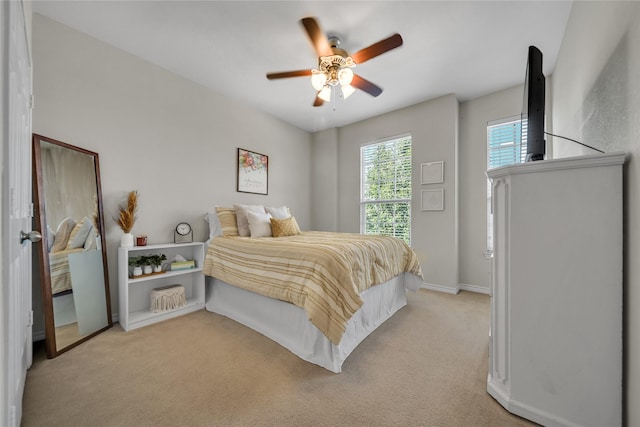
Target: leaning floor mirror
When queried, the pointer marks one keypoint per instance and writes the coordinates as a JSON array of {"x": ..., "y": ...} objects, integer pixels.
[{"x": 72, "y": 257}]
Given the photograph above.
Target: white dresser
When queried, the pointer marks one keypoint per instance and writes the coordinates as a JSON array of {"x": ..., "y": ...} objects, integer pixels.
[{"x": 556, "y": 294}]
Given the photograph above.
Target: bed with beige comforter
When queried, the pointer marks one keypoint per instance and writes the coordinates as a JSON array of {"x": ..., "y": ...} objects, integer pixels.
[{"x": 322, "y": 273}]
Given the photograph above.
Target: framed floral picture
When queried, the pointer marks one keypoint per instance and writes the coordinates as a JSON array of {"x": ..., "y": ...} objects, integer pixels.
[{"x": 253, "y": 172}]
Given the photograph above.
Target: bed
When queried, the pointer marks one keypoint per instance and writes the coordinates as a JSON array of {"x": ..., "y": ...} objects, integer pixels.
[
  {"x": 318, "y": 294},
  {"x": 69, "y": 238}
]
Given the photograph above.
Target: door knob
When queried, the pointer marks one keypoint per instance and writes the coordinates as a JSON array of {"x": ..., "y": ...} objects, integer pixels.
[{"x": 32, "y": 236}]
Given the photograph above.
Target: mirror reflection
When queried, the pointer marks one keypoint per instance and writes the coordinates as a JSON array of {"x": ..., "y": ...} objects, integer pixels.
[{"x": 73, "y": 271}]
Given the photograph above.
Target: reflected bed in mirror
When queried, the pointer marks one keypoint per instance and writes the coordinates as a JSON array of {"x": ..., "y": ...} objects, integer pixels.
[{"x": 73, "y": 262}]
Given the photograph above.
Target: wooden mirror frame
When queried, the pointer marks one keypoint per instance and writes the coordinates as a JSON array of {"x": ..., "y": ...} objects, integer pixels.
[{"x": 40, "y": 224}]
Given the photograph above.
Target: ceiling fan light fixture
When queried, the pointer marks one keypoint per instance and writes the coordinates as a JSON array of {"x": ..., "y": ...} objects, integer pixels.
[
  {"x": 334, "y": 64},
  {"x": 325, "y": 93},
  {"x": 318, "y": 79},
  {"x": 345, "y": 75},
  {"x": 347, "y": 90}
]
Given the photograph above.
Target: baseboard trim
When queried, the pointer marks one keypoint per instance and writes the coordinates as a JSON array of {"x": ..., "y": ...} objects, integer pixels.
[
  {"x": 474, "y": 288},
  {"x": 454, "y": 291},
  {"x": 526, "y": 411},
  {"x": 440, "y": 288}
]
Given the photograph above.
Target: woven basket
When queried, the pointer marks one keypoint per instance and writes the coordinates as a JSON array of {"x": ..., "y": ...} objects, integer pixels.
[{"x": 167, "y": 298}]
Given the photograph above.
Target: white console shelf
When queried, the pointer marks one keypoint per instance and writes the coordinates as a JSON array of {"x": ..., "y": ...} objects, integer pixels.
[
  {"x": 556, "y": 294},
  {"x": 135, "y": 293}
]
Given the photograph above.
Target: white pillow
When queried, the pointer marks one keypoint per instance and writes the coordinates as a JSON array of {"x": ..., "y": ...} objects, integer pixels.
[
  {"x": 279, "y": 213},
  {"x": 214, "y": 224},
  {"x": 243, "y": 221},
  {"x": 259, "y": 224}
]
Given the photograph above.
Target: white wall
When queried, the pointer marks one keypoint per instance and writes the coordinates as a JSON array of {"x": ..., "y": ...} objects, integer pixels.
[
  {"x": 475, "y": 269},
  {"x": 170, "y": 139},
  {"x": 324, "y": 194},
  {"x": 433, "y": 126},
  {"x": 596, "y": 100}
]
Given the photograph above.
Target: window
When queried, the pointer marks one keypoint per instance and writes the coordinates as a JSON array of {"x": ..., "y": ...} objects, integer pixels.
[
  {"x": 505, "y": 146},
  {"x": 504, "y": 142},
  {"x": 385, "y": 188}
]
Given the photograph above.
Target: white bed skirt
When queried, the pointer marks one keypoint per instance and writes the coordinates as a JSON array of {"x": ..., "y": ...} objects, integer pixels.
[{"x": 289, "y": 326}]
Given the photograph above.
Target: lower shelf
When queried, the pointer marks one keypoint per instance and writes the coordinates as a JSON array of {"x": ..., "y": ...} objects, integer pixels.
[{"x": 138, "y": 319}]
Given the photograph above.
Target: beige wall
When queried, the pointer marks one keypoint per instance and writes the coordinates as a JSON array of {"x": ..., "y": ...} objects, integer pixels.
[
  {"x": 170, "y": 139},
  {"x": 596, "y": 97}
]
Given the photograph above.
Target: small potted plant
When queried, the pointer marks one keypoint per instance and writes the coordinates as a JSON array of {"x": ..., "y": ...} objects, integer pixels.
[
  {"x": 145, "y": 260},
  {"x": 136, "y": 263},
  {"x": 156, "y": 262}
]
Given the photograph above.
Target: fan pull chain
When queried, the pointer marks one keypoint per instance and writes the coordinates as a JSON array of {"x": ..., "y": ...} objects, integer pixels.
[{"x": 333, "y": 88}]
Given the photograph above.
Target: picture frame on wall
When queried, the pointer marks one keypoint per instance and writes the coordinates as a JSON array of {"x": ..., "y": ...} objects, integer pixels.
[
  {"x": 432, "y": 172},
  {"x": 433, "y": 200},
  {"x": 253, "y": 172}
]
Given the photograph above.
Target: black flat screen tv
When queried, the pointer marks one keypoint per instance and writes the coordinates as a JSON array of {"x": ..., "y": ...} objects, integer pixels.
[{"x": 533, "y": 106}]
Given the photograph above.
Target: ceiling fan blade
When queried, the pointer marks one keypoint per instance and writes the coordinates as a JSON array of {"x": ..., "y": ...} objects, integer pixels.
[
  {"x": 366, "y": 85},
  {"x": 377, "y": 49},
  {"x": 318, "y": 39},
  {"x": 318, "y": 102},
  {"x": 285, "y": 74}
]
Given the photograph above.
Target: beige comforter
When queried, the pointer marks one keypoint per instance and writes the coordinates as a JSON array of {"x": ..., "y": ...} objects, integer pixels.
[
  {"x": 321, "y": 272},
  {"x": 60, "y": 273}
]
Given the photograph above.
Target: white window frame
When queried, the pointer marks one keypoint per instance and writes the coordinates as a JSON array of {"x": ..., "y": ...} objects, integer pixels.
[
  {"x": 364, "y": 202},
  {"x": 492, "y": 125}
]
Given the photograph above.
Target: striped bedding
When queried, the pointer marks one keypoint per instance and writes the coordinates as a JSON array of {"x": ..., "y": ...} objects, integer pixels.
[
  {"x": 320, "y": 272},
  {"x": 60, "y": 273}
]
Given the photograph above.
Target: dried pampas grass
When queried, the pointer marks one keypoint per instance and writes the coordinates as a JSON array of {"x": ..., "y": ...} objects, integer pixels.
[{"x": 127, "y": 215}]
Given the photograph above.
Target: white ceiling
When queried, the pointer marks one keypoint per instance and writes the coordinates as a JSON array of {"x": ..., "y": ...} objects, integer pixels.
[{"x": 469, "y": 48}]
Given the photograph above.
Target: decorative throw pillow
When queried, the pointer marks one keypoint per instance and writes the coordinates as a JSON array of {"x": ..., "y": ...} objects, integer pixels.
[
  {"x": 79, "y": 234},
  {"x": 90, "y": 243},
  {"x": 62, "y": 234},
  {"x": 228, "y": 221},
  {"x": 259, "y": 224},
  {"x": 214, "y": 224},
  {"x": 281, "y": 212},
  {"x": 284, "y": 227},
  {"x": 241, "y": 215}
]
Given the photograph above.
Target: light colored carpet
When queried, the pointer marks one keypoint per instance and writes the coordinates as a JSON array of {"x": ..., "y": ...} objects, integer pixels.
[
  {"x": 426, "y": 366},
  {"x": 67, "y": 335}
]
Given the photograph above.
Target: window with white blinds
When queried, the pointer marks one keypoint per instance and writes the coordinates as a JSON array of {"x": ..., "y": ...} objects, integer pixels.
[
  {"x": 385, "y": 188},
  {"x": 505, "y": 142},
  {"x": 506, "y": 145}
]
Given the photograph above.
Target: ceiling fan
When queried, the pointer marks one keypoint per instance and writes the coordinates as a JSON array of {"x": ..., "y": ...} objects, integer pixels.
[{"x": 334, "y": 64}]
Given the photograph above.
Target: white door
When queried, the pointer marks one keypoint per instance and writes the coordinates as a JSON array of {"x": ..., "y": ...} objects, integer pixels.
[{"x": 15, "y": 288}]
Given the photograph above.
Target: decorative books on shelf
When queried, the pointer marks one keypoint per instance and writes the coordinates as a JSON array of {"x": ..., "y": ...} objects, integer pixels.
[
  {"x": 140, "y": 276},
  {"x": 183, "y": 265}
]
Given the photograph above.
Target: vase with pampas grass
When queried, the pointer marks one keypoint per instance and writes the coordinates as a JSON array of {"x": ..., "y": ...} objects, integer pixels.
[{"x": 127, "y": 217}]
